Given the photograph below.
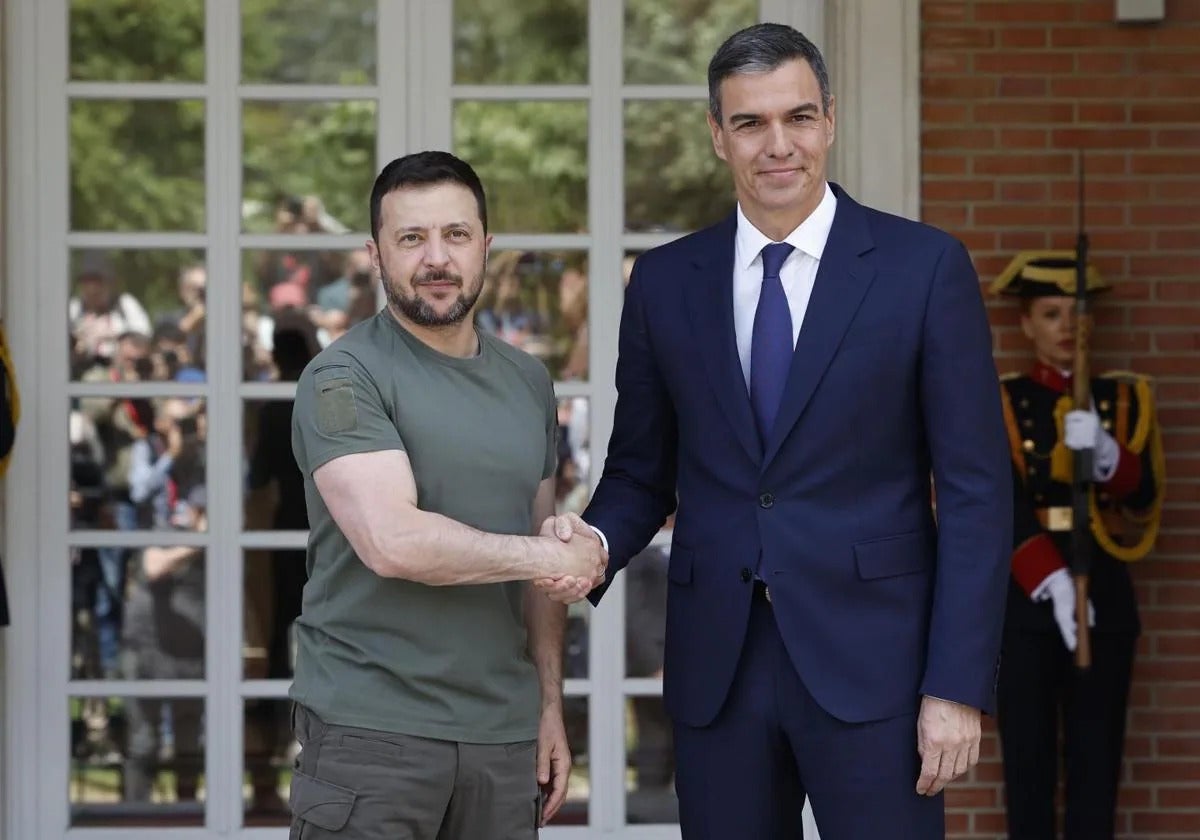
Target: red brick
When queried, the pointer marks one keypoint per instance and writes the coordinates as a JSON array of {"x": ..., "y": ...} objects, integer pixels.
[
  {"x": 1103, "y": 112},
  {"x": 1024, "y": 190},
  {"x": 1177, "y": 240},
  {"x": 1022, "y": 86},
  {"x": 1093, "y": 37},
  {"x": 1186, "y": 138},
  {"x": 1161, "y": 824},
  {"x": 1024, "y": 64},
  {"x": 957, "y": 87},
  {"x": 958, "y": 191},
  {"x": 1179, "y": 695},
  {"x": 946, "y": 215},
  {"x": 1102, "y": 63},
  {"x": 1032, "y": 113},
  {"x": 1178, "y": 797},
  {"x": 1122, "y": 191},
  {"x": 945, "y": 63},
  {"x": 1166, "y": 290},
  {"x": 958, "y": 138},
  {"x": 1166, "y": 771},
  {"x": 942, "y": 113},
  {"x": 1176, "y": 342},
  {"x": 971, "y": 797},
  {"x": 1024, "y": 12},
  {"x": 932, "y": 13},
  {"x": 1167, "y": 266},
  {"x": 1177, "y": 190},
  {"x": 934, "y": 163},
  {"x": 945, "y": 37},
  {"x": 1101, "y": 138},
  {"x": 1024, "y": 38},
  {"x": 1175, "y": 164},
  {"x": 1025, "y": 165},
  {"x": 1186, "y": 620},
  {"x": 1087, "y": 88},
  {"x": 1182, "y": 645},
  {"x": 1175, "y": 63},
  {"x": 1167, "y": 112},
  {"x": 1175, "y": 87},
  {"x": 1166, "y": 214},
  {"x": 1024, "y": 138},
  {"x": 1023, "y": 240},
  {"x": 1178, "y": 746}
]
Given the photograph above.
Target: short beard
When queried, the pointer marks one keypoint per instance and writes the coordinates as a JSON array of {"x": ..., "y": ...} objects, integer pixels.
[{"x": 418, "y": 311}]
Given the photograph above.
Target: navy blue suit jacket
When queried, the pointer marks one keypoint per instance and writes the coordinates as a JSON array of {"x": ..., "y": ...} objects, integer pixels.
[{"x": 892, "y": 382}]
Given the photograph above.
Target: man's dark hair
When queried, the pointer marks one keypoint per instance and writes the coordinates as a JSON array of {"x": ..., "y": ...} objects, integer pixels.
[
  {"x": 760, "y": 49},
  {"x": 422, "y": 169}
]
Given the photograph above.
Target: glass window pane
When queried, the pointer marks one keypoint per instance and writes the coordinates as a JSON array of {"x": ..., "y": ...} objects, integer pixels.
[
  {"x": 574, "y": 487},
  {"x": 309, "y": 41},
  {"x": 307, "y": 167},
  {"x": 267, "y": 768},
  {"x": 138, "y": 613},
  {"x": 138, "y": 463},
  {"x": 532, "y": 158},
  {"x": 136, "y": 761},
  {"x": 273, "y": 581},
  {"x": 650, "y": 763},
  {"x": 137, "y": 40},
  {"x": 274, "y": 485},
  {"x": 538, "y": 301},
  {"x": 313, "y": 296},
  {"x": 520, "y": 42},
  {"x": 673, "y": 179},
  {"x": 157, "y": 294},
  {"x": 671, "y": 43},
  {"x": 137, "y": 165}
]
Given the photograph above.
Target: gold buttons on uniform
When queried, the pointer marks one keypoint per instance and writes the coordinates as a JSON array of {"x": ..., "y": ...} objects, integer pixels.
[
  {"x": 1027, "y": 446},
  {"x": 1105, "y": 405}
]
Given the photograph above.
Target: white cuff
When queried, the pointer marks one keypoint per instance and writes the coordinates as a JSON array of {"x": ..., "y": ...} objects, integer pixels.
[{"x": 600, "y": 534}]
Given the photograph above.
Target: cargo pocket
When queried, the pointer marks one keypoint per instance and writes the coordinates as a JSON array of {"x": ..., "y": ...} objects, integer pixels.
[
  {"x": 320, "y": 803},
  {"x": 336, "y": 409}
]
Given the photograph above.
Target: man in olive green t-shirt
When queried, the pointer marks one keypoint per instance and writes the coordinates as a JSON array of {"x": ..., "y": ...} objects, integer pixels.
[{"x": 428, "y": 686}]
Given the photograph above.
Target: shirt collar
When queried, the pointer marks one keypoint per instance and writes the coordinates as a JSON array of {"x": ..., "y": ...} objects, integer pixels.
[
  {"x": 1053, "y": 378},
  {"x": 809, "y": 237}
]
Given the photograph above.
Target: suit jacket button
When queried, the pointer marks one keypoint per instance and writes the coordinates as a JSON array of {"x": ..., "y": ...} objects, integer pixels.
[
  {"x": 746, "y": 575},
  {"x": 766, "y": 500}
]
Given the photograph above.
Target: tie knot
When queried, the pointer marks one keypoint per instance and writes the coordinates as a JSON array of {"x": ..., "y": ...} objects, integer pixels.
[{"x": 773, "y": 256}]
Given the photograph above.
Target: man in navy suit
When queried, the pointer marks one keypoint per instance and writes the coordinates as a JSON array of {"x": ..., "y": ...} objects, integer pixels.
[{"x": 791, "y": 379}]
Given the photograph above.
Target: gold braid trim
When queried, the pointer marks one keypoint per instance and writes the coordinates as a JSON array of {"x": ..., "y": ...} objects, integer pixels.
[
  {"x": 1014, "y": 434},
  {"x": 1145, "y": 433}
]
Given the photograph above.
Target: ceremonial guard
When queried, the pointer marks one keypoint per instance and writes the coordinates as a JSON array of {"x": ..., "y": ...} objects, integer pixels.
[{"x": 1041, "y": 681}]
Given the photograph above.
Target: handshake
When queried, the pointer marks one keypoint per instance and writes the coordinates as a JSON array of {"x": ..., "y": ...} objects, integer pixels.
[{"x": 576, "y": 560}]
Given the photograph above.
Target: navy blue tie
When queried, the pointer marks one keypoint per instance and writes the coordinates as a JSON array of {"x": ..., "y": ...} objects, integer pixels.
[{"x": 771, "y": 342}]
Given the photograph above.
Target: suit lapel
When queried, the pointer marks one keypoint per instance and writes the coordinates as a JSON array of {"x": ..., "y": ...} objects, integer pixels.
[
  {"x": 841, "y": 283},
  {"x": 709, "y": 295}
]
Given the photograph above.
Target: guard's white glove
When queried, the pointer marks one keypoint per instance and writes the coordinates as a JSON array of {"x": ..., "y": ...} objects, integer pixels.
[
  {"x": 1082, "y": 430},
  {"x": 1060, "y": 588}
]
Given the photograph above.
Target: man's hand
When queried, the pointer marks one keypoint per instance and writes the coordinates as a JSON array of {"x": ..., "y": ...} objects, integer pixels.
[
  {"x": 948, "y": 742},
  {"x": 575, "y": 533},
  {"x": 553, "y": 761}
]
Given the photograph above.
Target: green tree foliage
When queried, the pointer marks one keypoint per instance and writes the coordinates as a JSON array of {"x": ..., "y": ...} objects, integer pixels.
[{"x": 139, "y": 165}]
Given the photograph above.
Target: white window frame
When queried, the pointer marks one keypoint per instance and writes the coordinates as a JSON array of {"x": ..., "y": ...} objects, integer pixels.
[{"x": 874, "y": 100}]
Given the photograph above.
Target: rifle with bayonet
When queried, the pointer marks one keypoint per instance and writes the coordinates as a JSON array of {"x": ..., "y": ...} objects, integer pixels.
[{"x": 1081, "y": 487}]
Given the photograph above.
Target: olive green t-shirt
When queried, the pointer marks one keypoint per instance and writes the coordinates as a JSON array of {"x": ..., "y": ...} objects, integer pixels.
[{"x": 446, "y": 662}]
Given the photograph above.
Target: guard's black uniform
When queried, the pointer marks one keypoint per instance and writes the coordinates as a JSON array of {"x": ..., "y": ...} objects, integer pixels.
[{"x": 1038, "y": 680}]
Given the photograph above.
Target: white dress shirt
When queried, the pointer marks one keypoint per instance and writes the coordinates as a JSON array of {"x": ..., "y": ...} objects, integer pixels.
[{"x": 798, "y": 274}]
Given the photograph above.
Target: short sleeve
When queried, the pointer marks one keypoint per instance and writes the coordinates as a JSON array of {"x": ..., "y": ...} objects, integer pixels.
[
  {"x": 339, "y": 410},
  {"x": 550, "y": 467}
]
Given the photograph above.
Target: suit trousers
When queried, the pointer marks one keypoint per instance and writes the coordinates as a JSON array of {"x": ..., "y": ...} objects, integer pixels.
[
  {"x": 747, "y": 773},
  {"x": 1039, "y": 685}
]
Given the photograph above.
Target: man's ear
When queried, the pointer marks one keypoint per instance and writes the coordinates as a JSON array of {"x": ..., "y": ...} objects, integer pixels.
[{"x": 718, "y": 140}]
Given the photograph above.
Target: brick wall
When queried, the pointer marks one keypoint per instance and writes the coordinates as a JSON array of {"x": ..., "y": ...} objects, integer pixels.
[{"x": 1009, "y": 91}]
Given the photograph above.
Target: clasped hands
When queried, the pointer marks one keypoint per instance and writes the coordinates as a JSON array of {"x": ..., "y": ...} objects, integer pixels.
[{"x": 578, "y": 559}]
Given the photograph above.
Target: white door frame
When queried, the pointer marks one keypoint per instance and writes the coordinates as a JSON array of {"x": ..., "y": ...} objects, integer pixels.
[{"x": 874, "y": 100}]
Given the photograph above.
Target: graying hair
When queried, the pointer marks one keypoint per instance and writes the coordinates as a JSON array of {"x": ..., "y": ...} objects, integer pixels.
[{"x": 760, "y": 49}]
